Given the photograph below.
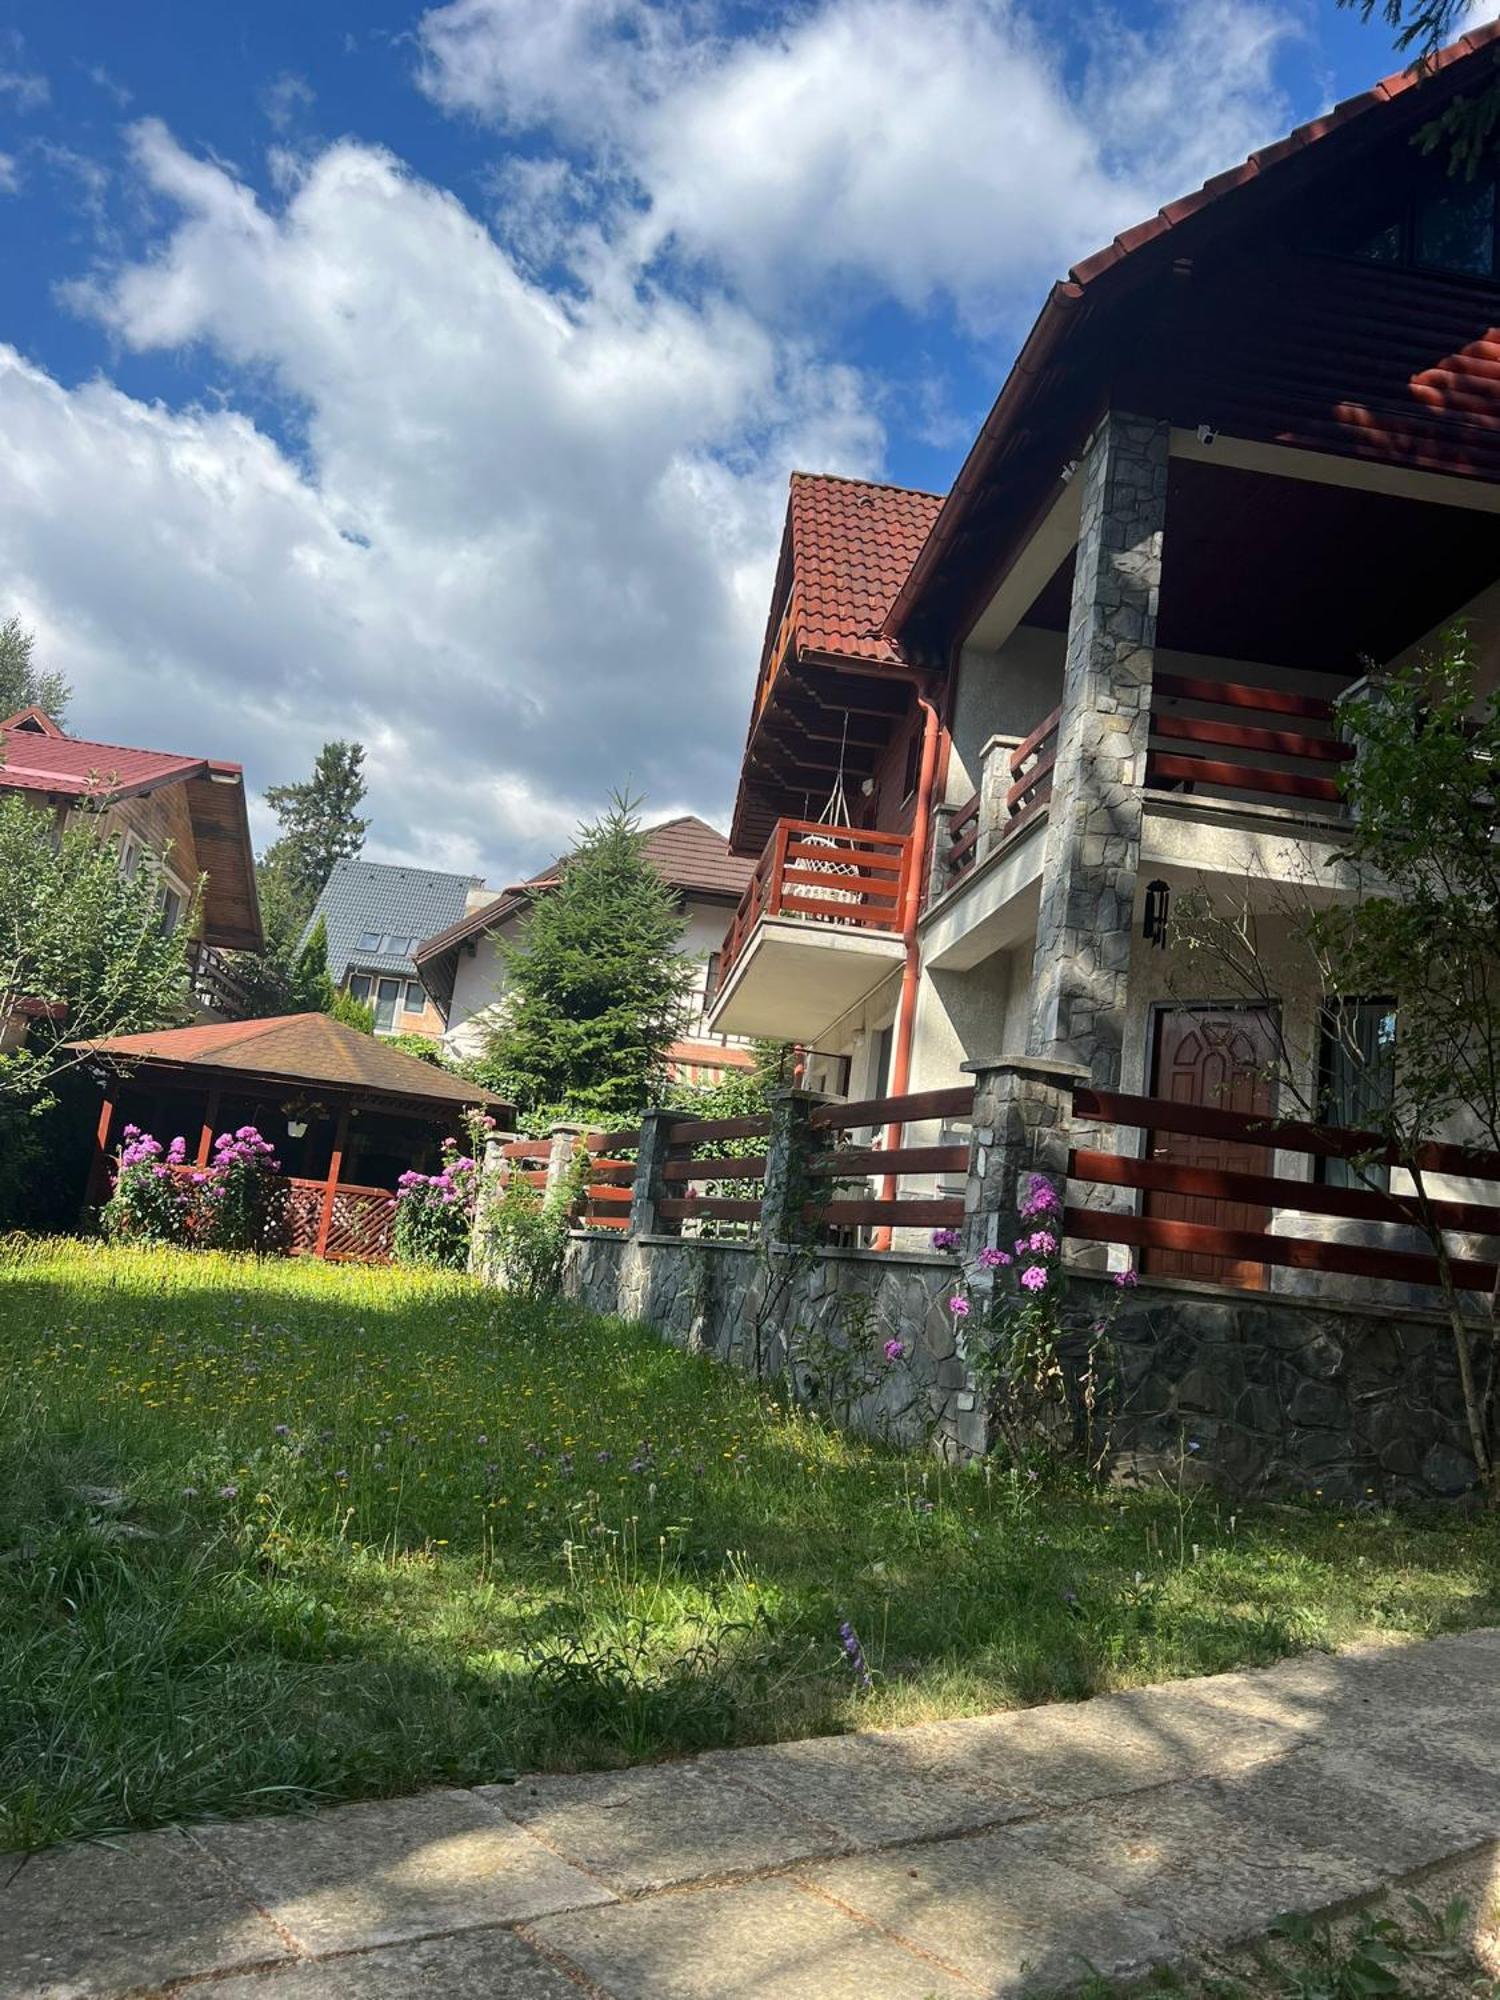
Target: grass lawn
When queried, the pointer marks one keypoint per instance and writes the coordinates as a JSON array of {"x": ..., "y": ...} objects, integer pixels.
[{"x": 279, "y": 1532}]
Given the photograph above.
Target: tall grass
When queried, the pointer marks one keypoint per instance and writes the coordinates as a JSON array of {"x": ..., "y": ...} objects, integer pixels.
[{"x": 279, "y": 1532}]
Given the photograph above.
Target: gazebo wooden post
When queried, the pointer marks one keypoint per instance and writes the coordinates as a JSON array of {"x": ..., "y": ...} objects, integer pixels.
[
  {"x": 210, "y": 1119},
  {"x": 335, "y": 1167},
  {"x": 99, "y": 1167}
]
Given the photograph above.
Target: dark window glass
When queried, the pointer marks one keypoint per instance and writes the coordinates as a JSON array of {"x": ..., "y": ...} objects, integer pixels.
[
  {"x": 359, "y": 985},
  {"x": 387, "y": 993},
  {"x": 1455, "y": 230},
  {"x": 1357, "y": 1068},
  {"x": 369, "y": 940}
]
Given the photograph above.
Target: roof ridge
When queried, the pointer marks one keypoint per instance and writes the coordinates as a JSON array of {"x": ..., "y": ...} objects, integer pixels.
[
  {"x": 876, "y": 485},
  {"x": 98, "y": 743}
]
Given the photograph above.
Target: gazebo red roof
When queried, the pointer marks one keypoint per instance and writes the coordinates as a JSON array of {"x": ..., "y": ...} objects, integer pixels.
[{"x": 298, "y": 1049}]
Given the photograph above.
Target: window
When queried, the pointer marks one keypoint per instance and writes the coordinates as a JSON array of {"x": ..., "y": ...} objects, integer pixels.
[
  {"x": 1445, "y": 224},
  {"x": 387, "y": 994},
  {"x": 359, "y": 985},
  {"x": 173, "y": 903},
  {"x": 130, "y": 857},
  {"x": 415, "y": 1001},
  {"x": 399, "y": 943},
  {"x": 1356, "y": 1072},
  {"x": 371, "y": 941}
]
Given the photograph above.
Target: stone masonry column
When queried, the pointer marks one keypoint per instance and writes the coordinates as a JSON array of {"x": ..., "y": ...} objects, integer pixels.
[
  {"x": 564, "y": 1142},
  {"x": 792, "y": 1146},
  {"x": 650, "y": 1184},
  {"x": 1081, "y": 969},
  {"x": 1022, "y": 1125}
]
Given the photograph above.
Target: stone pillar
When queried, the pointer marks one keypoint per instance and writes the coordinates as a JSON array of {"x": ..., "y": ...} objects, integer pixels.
[
  {"x": 938, "y": 877},
  {"x": 1081, "y": 969},
  {"x": 565, "y": 1141},
  {"x": 1022, "y": 1125},
  {"x": 995, "y": 781},
  {"x": 790, "y": 1150},
  {"x": 650, "y": 1183}
]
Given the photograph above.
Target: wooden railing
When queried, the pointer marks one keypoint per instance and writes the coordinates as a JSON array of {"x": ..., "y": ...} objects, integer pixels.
[
  {"x": 1026, "y": 788},
  {"x": 361, "y": 1221},
  {"x": 215, "y": 987},
  {"x": 851, "y": 1163},
  {"x": 1239, "y": 1247},
  {"x": 826, "y": 874},
  {"x": 611, "y": 1180},
  {"x": 716, "y": 1192},
  {"x": 1294, "y": 729}
]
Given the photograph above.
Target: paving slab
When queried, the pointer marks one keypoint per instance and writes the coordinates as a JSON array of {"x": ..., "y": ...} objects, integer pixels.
[
  {"x": 662, "y": 1824},
  {"x": 768, "y": 1940},
  {"x": 479, "y": 1965},
  {"x": 1007, "y": 1917},
  {"x": 1187, "y": 1859},
  {"x": 1390, "y": 1813},
  {"x": 83, "y": 1923},
  {"x": 382, "y": 1872}
]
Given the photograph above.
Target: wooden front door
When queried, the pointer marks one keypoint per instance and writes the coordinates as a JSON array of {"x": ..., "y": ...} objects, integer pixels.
[{"x": 1219, "y": 1058}]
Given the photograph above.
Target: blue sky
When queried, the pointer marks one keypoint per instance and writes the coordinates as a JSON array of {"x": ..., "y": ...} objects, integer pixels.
[{"x": 432, "y": 374}]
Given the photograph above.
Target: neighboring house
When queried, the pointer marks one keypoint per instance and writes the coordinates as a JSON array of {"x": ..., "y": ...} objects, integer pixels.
[
  {"x": 180, "y": 816},
  {"x": 464, "y": 965},
  {"x": 376, "y": 915},
  {"x": 1249, "y": 448}
]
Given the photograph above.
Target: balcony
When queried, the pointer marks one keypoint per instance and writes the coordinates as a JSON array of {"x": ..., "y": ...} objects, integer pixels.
[
  {"x": 818, "y": 929},
  {"x": 218, "y": 992}
]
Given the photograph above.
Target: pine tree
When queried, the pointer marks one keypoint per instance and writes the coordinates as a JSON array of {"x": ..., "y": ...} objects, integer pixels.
[
  {"x": 23, "y": 684},
  {"x": 320, "y": 823},
  {"x": 595, "y": 989},
  {"x": 312, "y": 989}
]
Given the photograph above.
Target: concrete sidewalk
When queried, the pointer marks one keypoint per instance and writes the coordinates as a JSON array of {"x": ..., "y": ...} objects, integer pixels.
[{"x": 992, "y": 1856}]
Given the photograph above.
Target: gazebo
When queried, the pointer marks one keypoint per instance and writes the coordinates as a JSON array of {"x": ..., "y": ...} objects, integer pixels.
[{"x": 346, "y": 1113}]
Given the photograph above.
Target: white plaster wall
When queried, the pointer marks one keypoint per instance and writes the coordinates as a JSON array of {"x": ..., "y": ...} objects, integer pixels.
[{"x": 1002, "y": 693}]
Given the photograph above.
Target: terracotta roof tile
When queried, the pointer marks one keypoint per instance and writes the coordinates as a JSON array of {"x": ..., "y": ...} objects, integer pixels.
[
  {"x": 300, "y": 1048},
  {"x": 853, "y": 543}
]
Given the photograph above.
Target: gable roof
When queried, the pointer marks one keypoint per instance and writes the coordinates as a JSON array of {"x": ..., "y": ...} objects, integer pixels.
[
  {"x": 1270, "y": 175},
  {"x": 389, "y": 900},
  {"x": 852, "y": 544},
  {"x": 299, "y": 1049},
  {"x": 40, "y": 759},
  {"x": 689, "y": 854}
]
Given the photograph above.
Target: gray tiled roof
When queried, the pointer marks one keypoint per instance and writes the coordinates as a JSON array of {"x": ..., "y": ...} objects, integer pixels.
[{"x": 374, "y": 896}]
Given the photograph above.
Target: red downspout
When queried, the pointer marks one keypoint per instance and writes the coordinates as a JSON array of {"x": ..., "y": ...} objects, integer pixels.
[{"x": 906, "y": 1006}]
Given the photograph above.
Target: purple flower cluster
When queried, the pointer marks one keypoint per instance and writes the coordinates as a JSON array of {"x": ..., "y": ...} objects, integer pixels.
[
  {"x": 945, "y": 1239},
  {"x": 141, "y": 1150},
  {"x": 854, "y": 1652},
  {"x": 245, "y": 1148},
  {"x": 1041, "y": 1198}
]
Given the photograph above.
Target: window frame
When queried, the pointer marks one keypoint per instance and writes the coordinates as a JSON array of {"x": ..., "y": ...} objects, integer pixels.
[{"x": 1328, "y": 1169}]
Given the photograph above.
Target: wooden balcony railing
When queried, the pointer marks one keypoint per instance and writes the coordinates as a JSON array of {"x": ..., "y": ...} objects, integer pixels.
[
  {"x": 826, "y": 874},
  {"x": 215, "y": 987},
  {"x": 1003, "y": 804},
  {"x": 1294, "y": 729}
]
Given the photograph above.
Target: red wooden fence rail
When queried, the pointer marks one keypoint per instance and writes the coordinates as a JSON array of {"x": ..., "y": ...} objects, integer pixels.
[{"x": 1277, "y": 1191}]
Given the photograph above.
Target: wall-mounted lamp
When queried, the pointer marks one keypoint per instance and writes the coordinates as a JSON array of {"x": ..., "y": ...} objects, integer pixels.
[
  {"x": 1207, "y": 435},
  {"x": 1154, "y": 917},
  {"x": 1068, "y": 470}
]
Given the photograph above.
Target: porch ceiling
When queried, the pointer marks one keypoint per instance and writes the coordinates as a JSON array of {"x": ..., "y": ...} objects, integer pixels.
[{"x": 794, "y": 978}]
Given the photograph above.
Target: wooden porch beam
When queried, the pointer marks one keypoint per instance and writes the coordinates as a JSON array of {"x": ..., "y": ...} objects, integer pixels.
[
  {"x": 210, "y": 1119},
  {"x": 93, "y": 1194},
  {"x": 330, "y": 1186}
]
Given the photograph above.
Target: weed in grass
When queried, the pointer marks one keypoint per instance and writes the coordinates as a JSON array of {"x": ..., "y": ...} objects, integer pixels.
[{"x": 280, "y": 1532}]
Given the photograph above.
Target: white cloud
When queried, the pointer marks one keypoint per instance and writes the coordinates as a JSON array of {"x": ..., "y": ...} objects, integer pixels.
[
  {"x": 286, "y": 99},
  {"x": 10, "y": 174},
  {"x": 922, "y": 149},
  {"x": 523, "y": 554}
]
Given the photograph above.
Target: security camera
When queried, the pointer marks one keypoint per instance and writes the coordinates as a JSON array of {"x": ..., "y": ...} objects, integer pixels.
[{"x": 1206, "y": 434}]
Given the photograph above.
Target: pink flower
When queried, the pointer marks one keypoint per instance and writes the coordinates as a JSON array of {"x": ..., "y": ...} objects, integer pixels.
[
  {"x": 1041, "y": 1198},
  {"x": 1042, "y": 1241},
  {"x": 945, "y": 1239},
  {"x": 1125, "y": 1279},
  {"x": 895, "y": 1349},
  {"x": 1034, "y": 1278},
  {"x": 994, "y": 1260},
  {"x": 958, "y": 1305}
]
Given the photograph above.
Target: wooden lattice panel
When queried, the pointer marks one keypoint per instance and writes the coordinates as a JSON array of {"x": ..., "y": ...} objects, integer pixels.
[{"x": 361, "y": 1226}]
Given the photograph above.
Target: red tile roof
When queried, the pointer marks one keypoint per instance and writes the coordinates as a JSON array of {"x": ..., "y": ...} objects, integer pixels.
[
  {"x": 1036, "y": 366},
  {"x": 852, "y": 545},
  {"x": 297, "y": 1048},
  {"x": 38, "y": 761}
]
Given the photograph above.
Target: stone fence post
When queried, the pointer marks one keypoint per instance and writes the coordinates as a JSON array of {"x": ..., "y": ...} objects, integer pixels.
[
  {"x": 791, "y": 1148},
  {"x": 1022, "y": 1125},
  {"x": 942, "y": 840},
  {"x": 564, "y": 1141},
  {"x": 650, "y": 1184}
]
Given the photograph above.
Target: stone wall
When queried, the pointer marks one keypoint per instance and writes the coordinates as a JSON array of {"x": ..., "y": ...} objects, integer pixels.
[
  {"x": 1271, "y": 1395},
  {"x": 829, "y": 1313},
  {"x": 1258, "y": 1395}
]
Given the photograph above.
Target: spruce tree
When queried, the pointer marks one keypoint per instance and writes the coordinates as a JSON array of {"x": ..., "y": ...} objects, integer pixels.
[
  {"x": 23, "y": 684},
  {"x": 320, "y": 823},
  {"x": 595, "y": 989}
]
